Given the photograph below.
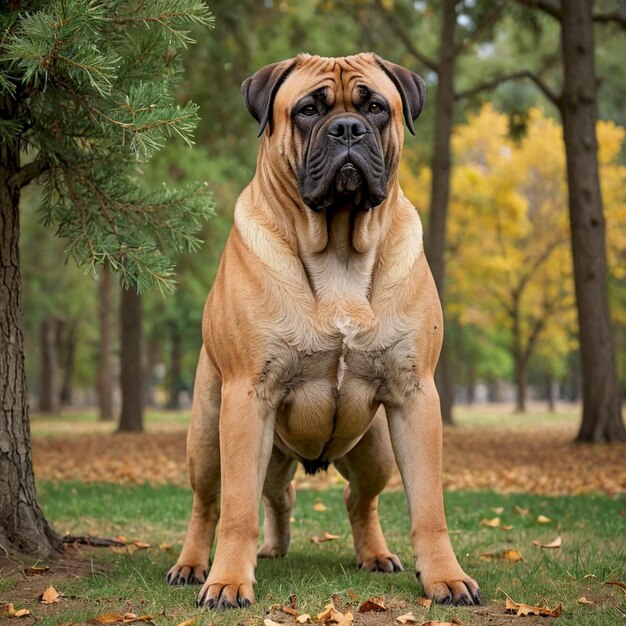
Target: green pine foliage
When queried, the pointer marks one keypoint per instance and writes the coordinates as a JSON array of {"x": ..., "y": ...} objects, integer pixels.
[{"x": 87, "y": 93}]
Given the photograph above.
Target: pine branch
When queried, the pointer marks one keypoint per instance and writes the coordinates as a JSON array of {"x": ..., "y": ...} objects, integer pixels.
[
  {"x": 611, "y": 17},
  {"x": 28, "y": 173},
  {"x": 543, "y": 5}
]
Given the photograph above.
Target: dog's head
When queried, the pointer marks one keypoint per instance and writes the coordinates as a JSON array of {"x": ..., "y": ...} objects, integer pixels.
[{"x": 336, "y": 124}]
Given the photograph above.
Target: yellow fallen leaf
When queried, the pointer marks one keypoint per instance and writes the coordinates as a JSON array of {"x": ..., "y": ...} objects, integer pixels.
[
  {"x": 21, "y": 613},
  {"x": 9, "y": 609},
  {"x": 305, "y": 618},
  {"x": 50, "y": 595},
  {"x": 325, "y": 537},
  {"x": 521, "y": 609},
  {"x": 326, "y": 613},
  {"x": 36, "y": 570},
  {"x": 455, "y": 622},
  {"x": 488, "y": 556},
  {"x": 520, "y": 511},
  {"x": 512, "y": 555},
  {"x": 289, "y": 610},
  {"x": 374, "y": 604},
  {"x": 617, "y": 583},
  {"x": 131, "y": 618},
  {"x": 583, "y": 600},
  {"x": 319, "y": 506},
  {"x": 506, "y": 527},
  {"x": 189, "y": 622},
  {"x": 142, "y": 545},
  {"x": 108, "y": 618},
  {"x": 269, "y": 622},
  {"x": 498, "y": 510},
  {"x": 165, "y": 546},
  {"x": 553, "y": 544},
  {"x": 542, "y": 519},
  {"x": 346, "y": 619},
  {"x": 425, "y": 602},
  {"x": 492, "y": 523},
  {"x": 407, "y": 618}
]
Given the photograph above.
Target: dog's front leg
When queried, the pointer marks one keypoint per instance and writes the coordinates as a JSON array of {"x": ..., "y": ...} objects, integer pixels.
[
  {"x": 246, "y": 435},
  {"x": 416, "y": 436}
]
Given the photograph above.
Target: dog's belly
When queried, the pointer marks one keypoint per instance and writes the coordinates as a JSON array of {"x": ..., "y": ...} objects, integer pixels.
[{"x": 327, "y": 408}]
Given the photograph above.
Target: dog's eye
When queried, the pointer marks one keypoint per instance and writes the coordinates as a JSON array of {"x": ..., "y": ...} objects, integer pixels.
[
  {"x": 309, "y": 110},
  {"x": 375, "y": 108}
]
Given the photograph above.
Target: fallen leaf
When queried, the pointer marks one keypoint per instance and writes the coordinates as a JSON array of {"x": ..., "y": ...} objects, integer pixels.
[
  {"x": 269, "y": 622},
  {"x": 319, "y": 506},
  {"x": 506, "y": 527},
  {"x": 455, "y": 622},
  {"x": 131, "y": 618},
  {"x": 108, "y": 618},
  {"x": 142, "y": 545},
  {"x": 304, "y": 619},
  {"x": 492, "y": 523},
  {"x": 188, "y": 622},
  {"x": 498, "y": 510},
  {"x": 374, "y": 604},
  {"x": 36, "y": 571},
  {"x": 346, "y": 619},
  {"x": 21, "y": 613},
  {"x": 512, "y": 555},
  {"x": 542, "y": 519},
  {"x": 488, "y": 556},
  {"x": 617, "y": 583},
  {"x": 553, "y": 544},
  {"x": 520, "y": 511},
  {"x": 325, "y": 537},
  {"x": 331, "y": 615},
  {"x": 583, "y": 600},
  {"x": 165, "y": 546},
  {"x": 293, "y": 601},
  {"x": 407, "y": 618},
  {"x": 9, "y": 609},
  {"x": 326, "y": 613},
  {"x": 352, "y": 595},
  {"x": 425, "y": 602},
  {"x": 523, "y": 610},
  {"x": 50, "y": 596},
  {"x": 289, "y": 610},
  {"x": 120, "y": 538}
]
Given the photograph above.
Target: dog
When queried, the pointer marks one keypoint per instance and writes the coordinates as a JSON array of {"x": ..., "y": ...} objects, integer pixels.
[{"x": 320, "y": 335}]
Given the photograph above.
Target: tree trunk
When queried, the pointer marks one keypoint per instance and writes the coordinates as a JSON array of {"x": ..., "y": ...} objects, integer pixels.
[
  {"x": 132, "y": 378},
  {"x": 440, "y": 189},
  {"x": 602, "y": 415},
  {"x": 153, "y": 354},
  {"x": 23, "y": 527},
  {"x": 68, "y": 351},
  {"x": 48, "y": 366},
  {"x": 176, "y": 355},
  {"x": 552, "y": 389},
  {"x": 105, "y": 361},
  {"x": 521, "y": 384}
]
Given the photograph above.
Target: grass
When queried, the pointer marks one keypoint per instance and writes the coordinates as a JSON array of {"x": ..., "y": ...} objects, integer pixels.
[{"x": 592, "y": 528}]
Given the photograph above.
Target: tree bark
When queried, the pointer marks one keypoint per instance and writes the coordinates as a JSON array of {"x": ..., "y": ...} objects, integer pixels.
[
  {"x": 68, "y": 351},
  {"x": 132, "y": 376},
  {"x": 440, "y": 189},
  {"x": 105, "y": 361},
  {"x": 602, "y": 415},
  {"x": 521, "y": 383},
  {"x": 176, "y": 355},
  {"x": 48, "y": 366},
  {"x": 23, "y": 527},
  {"x": 552, "y": 392}
]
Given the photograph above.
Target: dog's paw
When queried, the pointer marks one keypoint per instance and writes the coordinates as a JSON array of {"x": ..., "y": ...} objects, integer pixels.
[
  {"x": 186, "y": 575},
  {"x": 222, "y": 596},
  {"x": 267, "y": 551},
  {"x": 464, "y": 592},
  {"x": 387, "y": 563}
]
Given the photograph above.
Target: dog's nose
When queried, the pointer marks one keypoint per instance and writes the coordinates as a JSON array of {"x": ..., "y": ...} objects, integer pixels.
[{"x": 347, "y": 129}]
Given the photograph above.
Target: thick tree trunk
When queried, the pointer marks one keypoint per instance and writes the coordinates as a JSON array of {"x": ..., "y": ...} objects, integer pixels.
[
  {"x": 105, "y": 361},
  {"x": 23, "y": 528},
  {"x": 552, "y": 392},
  {"x": 440, "y": 189},
  {"x": 153, "y": 353},
  {"x": 176, "y": 356},
  {"x": 132, "y": 377},
  {"x": 602, "y": 415},
  {"x": 68, "y": 352},
  {"x": 48, "y": 366},
  {"x": 521, "y": 383}
]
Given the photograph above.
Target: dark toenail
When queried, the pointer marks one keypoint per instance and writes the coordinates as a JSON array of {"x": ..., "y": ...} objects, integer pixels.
[
  {"x": 244, "y": 603},
  {"x": 447, "y": 600},
  {"x": 476, "y": 597},
  {"x": 463, "y": 601}
]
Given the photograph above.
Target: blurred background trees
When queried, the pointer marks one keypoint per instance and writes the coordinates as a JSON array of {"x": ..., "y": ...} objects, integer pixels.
[{"x": 487, "y": 172}]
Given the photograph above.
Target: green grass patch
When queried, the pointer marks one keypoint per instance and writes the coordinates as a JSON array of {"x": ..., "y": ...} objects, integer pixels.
[{"x": 592, "y": 528}]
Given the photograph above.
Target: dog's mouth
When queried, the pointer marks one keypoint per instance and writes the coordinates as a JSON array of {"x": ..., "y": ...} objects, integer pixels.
[{"x": 349, "y": 183}]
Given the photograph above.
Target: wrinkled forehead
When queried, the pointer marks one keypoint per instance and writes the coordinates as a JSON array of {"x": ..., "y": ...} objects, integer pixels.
[{"x": 337, "y": 78}]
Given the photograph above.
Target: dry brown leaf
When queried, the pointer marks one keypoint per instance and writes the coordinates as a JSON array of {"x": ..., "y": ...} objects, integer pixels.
[
  {"x": 425, "y": 602},
  {"x": 488, "y": 556},
  {"x": 498, "y": 510},
  {"x": 492, "y": 523},
  {"x": 189, "y": 622},
  {"x": 583, "y": 600},
  {"x": 407, "y": 618},
  {"x": 21, "y": 613},
  {"x": 50, "y": 596},
  {"x": 108, "y": 618},
  {"x": 617, "y": 583},
  {"x": 352, "y": 595},
  {"x": 9, "y": 609},
  {"x": 131, "y": 618},
  {"x": 36, "y": 570},
  {"x": 165, "y": 546},
  {"x": 346, "y": 619},
  {"x": 553, "y": 544},
  {"x": 270, "y": 622},
  {"x": 289, "y": 611},
  {"x": 319, "y": 506},
  {"x": 542, "y": 519},
  {"x": 521, "y": 609},
  {"x": 120, "y": 538},
  {"x": 304, "y": 619},
  {"x": 506, "y": 527},
  {"x": 326, "y": 613},
  {"x": 455, "y": 622},
  {"x": 512, "y": 555},
  {"x": 141, "y": 545},
  {"x": 520, "y": 511},
  {"x": 325, "y": 537},
  {"x": 375, "y": 604}
]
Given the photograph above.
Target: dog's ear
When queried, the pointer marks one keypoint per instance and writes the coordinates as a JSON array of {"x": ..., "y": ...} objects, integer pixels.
[
  {"x": 411, "y": 87},
  {"x": 260, "y": 90}
]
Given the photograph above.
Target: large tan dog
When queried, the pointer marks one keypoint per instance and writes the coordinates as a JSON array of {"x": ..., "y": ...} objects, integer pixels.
[{"x": 321, "y": 334}]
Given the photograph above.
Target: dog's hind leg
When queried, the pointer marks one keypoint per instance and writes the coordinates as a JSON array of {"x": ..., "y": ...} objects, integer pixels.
[
  {"x": 203, "y": 455},
  {"x": 368, "y": 467},
  {"x": 279, "y": 495}
]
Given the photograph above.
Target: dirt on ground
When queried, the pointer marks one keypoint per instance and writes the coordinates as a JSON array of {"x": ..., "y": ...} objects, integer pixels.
[{"x": 534, "y": 459}]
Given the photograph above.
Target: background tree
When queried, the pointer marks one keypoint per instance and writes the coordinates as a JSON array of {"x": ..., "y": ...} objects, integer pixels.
[{"x": 85, "y": 92}]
